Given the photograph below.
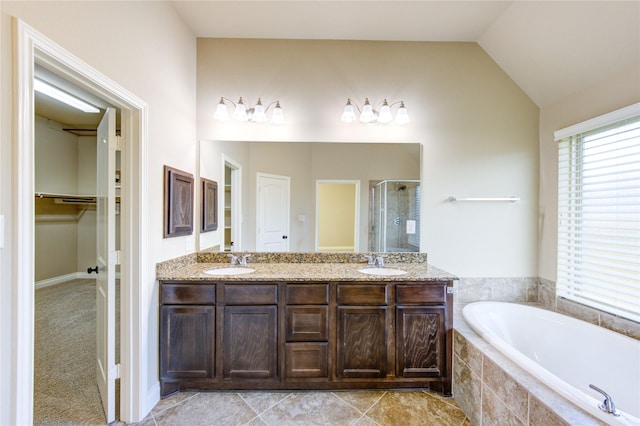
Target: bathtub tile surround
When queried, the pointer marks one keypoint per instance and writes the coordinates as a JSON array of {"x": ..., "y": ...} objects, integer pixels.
[
  {"x": 501, "y": 387},
  {"x": 547, "y": 298},
  {"x": 493, "y": 390},
  {"x": 505, "y": 289}
]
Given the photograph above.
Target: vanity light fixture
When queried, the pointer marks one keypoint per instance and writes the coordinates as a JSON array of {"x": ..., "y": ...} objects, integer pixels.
[
  {"x": 256, "y": 114},
  {"x": 370, "y": 115},
  {"x": 57, "y": 94}
]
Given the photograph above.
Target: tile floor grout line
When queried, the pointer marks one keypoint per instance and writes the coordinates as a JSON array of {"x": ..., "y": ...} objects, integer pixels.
[
  {"x": 373, "y": 405},
  {"x": 173, "y": 405}
]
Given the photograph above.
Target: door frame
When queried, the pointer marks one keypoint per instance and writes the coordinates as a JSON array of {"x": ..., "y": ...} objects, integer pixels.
[
  {"x": 31, "y": 46},
  {"x": 356, "y": 219},
  {"x": 236, "y": 201}
]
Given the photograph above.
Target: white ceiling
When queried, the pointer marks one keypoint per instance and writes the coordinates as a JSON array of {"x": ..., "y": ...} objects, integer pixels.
[{"x": 551, "y": 49}]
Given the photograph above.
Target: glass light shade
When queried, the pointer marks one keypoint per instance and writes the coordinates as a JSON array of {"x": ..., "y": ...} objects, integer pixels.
[
  {"x": 278, "y": 116},
  {"x": 240, "y": 113},
  {"x": 348, "y": 116},
  {"x": 385, "y": 113},
  {"x": 221, "y": 111},
  {"x": 367, "y": 116},
  {"x": 259, "y": 115},
  {"x": 402, "y": 117}
]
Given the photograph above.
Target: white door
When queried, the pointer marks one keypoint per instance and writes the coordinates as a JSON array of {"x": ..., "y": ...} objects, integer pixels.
[
  {"x": 106, "y": 261},
  {"x": 273, "y": 213}
]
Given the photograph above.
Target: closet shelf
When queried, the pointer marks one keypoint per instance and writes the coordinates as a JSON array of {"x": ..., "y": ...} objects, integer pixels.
[
  {"x": 71, "y": 199},
  {"x": 68, "y": 198}
]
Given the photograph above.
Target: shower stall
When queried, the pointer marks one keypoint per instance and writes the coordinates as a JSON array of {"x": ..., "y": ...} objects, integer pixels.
[{"x": 394, "y": 216}]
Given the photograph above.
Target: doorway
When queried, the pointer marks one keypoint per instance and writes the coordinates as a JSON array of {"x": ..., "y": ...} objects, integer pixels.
[
  {"x": 32, "y": 47},
  {"x": 232, "y": 205},
  {"x": 337, "y": 212},
  {"x": 67, "y": 224}
]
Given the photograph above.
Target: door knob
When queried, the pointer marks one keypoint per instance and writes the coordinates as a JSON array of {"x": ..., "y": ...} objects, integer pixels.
[
  {"x": 284, "y": 237},
  {"x": 90, "y": 270}
]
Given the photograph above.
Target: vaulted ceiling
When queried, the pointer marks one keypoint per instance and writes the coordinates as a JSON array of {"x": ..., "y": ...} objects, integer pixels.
[{"x": 551, "y": 49}]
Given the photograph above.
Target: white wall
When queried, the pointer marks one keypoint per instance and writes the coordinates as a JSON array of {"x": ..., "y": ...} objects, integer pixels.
[
  {"x": 146, "y": 48},
  {"x": 620, "y": 90},
  {"x": 479, "y": 130}
]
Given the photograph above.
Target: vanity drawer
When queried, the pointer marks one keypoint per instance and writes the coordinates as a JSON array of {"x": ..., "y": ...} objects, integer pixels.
[
  {"x": 251, "y": 294},
  {"x": 187, "y": 294},
  {"x": 307, "y": 323},
  {"x": 424, "y": 294},
  {"x": 362, "y": 294},
  {"x": 307, "y": 294}
]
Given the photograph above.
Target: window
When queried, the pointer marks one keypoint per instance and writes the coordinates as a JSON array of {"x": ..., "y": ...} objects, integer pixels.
[{"x": 599, "y": 213}]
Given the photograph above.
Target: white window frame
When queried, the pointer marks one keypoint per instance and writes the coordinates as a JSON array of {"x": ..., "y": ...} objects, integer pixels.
[{"x": 599, "y": 230}]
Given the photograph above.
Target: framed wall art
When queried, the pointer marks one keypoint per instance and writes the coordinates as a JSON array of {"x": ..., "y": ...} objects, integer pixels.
[
  {"x": 178, "y": 203},
  {"x": 209, "y": 209}
]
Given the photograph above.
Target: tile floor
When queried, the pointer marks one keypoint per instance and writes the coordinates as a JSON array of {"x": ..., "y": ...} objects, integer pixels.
[{"x": 307, "y": 408}]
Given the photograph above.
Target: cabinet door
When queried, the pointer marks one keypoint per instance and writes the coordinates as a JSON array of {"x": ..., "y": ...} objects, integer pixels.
[
  {"x": 250, "y": 342},
  {"x": 306, "y": 359},
  {"x": 187, "y": 341},
  {"x": 420, "y": 341},
  {"x": 362, "y": 341}
]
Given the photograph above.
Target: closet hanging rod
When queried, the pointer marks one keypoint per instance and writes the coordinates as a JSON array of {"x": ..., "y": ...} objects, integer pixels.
[{"x": 453, "y": 199}]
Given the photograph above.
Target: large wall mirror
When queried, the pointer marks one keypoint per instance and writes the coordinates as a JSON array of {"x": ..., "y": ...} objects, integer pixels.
[{"x": 386, "y": 177}]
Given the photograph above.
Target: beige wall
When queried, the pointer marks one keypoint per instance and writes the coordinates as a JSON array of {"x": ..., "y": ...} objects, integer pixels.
[
  {"x": 146, "y": 48},
  {"x": 478, "y": 129},
  {"x": 65, "y": 235},
  {"x": 618, "y": 91}
]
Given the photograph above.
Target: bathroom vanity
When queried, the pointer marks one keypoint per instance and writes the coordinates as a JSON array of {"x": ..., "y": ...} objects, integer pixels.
[{"x": 314, "y": 322}]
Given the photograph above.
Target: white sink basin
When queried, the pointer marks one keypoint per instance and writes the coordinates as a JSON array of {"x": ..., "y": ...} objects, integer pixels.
[
  {"x": 382, "y": 271},
  {"x": 229, "y": 271}
]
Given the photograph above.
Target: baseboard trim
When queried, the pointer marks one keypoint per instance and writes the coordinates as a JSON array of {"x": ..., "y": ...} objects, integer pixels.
[
  {"x": 153, "y": 397},
  {"x": 65, "y": 278}
]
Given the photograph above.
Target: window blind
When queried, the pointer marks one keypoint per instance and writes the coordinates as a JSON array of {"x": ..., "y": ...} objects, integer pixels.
[{"x": 599, "y": 217}]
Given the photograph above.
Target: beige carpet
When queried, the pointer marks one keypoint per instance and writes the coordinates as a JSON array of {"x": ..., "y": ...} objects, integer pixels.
[{"x": 65, "y": 388}]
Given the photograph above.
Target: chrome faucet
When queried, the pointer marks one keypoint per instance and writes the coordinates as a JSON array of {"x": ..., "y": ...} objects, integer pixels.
[
  {"x": 377, "y": 261},
  {"x": 241, "y": 261},
  {"x": 607, "y": 405}
]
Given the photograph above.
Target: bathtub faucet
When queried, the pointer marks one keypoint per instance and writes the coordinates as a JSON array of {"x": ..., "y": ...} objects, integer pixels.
[{"x": 607, "y": 405}]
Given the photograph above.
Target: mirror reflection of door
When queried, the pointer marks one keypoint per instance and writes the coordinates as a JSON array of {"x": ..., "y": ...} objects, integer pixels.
[
  {"x": 337, "y": 216},
  {"x": 273, "y": 213}
]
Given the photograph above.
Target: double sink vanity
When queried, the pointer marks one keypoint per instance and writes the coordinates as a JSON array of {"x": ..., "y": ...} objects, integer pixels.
[{"x": 304, "y": 321}]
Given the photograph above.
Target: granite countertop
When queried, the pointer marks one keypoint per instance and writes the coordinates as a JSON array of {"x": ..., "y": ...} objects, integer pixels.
[{"x": 301, "y": 271}]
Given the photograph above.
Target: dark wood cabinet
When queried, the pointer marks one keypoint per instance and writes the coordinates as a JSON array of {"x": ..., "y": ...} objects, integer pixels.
[
  {"x": 420, "y": 341},
  {"x": 249, "y": 342},
  {"x": 187, "y": 341},
  {"x": 362, "y": 342},
  {"x": 310, "y": 335}
]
